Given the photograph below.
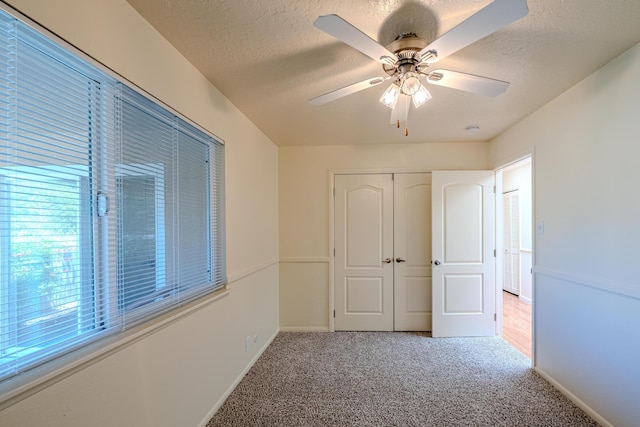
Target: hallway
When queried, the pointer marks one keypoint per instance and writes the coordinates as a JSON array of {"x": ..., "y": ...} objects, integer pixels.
[{"x": 516, "y": 323}]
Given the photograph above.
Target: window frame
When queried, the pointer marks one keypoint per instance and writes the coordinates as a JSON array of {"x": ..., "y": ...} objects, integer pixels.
[{"x": 119, "y": 334}]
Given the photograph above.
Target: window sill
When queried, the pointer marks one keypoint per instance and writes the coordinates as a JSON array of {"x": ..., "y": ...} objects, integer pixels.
[{"x": 28, "y": 383}]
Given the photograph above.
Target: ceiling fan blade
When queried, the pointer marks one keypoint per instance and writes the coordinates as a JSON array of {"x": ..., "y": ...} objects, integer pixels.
[
  {"x": 347, "y": 33},
  {"x": 487, "y": 20},
  {"x": 467, "y": 82},
  {"x": 347, "y": 90}
]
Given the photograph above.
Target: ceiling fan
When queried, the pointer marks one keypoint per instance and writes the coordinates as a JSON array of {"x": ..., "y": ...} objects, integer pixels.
[{"x": 406, "y": 60}]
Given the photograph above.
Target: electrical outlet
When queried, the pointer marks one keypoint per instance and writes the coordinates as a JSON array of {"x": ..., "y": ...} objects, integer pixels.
[
  {"x": 255, "y": 338},
  {"x": 540, "y": 227}
]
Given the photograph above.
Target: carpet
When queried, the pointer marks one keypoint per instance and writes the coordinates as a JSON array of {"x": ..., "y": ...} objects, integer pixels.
[{"x": 394, "y": 379}]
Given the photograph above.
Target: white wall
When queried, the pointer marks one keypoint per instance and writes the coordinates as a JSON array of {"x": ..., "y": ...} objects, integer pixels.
[
  {"x": 176, "y": 375},
  {"x": 586, "y": 283},
  {"x": 303, "y": 183}
]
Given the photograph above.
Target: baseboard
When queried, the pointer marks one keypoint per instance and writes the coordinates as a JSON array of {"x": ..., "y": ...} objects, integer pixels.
[
  {"x": 239, "y": 378},
  {"x": 579, "y": 403},
  {"x": 525, "y": 299},
  {"x": 304, "y": 329}
]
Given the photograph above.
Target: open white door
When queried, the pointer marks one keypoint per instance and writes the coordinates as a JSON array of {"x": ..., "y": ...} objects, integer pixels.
[{"x": 463, "y": 254}]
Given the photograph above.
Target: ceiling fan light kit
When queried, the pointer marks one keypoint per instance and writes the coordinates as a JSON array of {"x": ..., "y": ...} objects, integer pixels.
[
  {"x": 420, "y": 97},
  {"x": 390, "y": 96},
  {"x": 407, "y": 58}
]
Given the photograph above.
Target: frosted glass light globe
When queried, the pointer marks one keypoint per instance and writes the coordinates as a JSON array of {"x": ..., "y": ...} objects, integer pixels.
[{"x": 410, "y": 84}]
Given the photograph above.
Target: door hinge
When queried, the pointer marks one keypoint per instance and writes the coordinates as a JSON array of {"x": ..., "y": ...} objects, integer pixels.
[
  {"x": 494, "y": 189},
  {"x": 495, "y": 317},
  {"x": 334, "y": 191},
  {"x": 334, "y": 252},
  {"x": 334, "y": 313},
  {"x": 494, "y": 253}
]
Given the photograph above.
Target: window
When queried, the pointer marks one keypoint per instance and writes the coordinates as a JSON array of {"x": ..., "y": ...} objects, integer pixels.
[{"x": 111, "y": 206}]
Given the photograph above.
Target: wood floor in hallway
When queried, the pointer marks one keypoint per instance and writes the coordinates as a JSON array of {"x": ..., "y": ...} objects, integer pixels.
[{"x": 516, "y": 323}]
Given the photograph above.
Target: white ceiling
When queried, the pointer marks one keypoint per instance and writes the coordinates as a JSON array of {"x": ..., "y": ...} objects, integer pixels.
[{"x": 269, "y": 60}]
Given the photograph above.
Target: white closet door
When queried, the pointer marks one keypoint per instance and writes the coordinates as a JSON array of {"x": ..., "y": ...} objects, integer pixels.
[
  {"x": 511, "y": 242},
  {"x": 412, "y": 250},
  {"x": 364, "y": 252}
]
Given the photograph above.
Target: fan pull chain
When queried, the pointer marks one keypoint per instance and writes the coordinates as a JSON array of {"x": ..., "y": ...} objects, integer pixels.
[
  {"x": 398, "y": 124},
  {"x": 406, "y": 131}
]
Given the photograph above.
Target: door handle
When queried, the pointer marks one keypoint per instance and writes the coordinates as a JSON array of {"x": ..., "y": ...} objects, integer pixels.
[
  {"x": 400, "y": 260},
  {"x": 436, "y": 262},
  {"x": 387, "y": 260}
]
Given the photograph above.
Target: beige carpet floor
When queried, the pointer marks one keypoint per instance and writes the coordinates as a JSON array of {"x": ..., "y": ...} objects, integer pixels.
[{"x": 394, "y": 379}]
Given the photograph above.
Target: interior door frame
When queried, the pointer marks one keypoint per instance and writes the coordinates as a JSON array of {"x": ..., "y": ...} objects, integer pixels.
[
  {"x": 499, "y": 243},
  {"x": 331, "y": 178}
]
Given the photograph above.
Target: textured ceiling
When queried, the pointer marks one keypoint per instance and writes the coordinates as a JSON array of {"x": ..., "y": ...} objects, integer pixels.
[{"x": 269, "y": 60}]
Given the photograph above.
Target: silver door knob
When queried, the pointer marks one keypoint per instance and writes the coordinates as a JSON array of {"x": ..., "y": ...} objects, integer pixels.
[
  {"x": 387, "y": 260},
  {"x": 400, "y": 260},
  {"x": 436, "y": 262}
]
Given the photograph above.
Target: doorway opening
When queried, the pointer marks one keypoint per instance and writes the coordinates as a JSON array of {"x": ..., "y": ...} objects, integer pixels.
[{"x": 514, "y": 209}]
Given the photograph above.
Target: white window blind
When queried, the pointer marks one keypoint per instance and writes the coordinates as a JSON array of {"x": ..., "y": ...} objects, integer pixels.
[
  {"x": 111, "y": 206},
  {"x": 47, "y": 293},
  {"x": 166, "y": 205},
  {"x": 146, "y": 197}
]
